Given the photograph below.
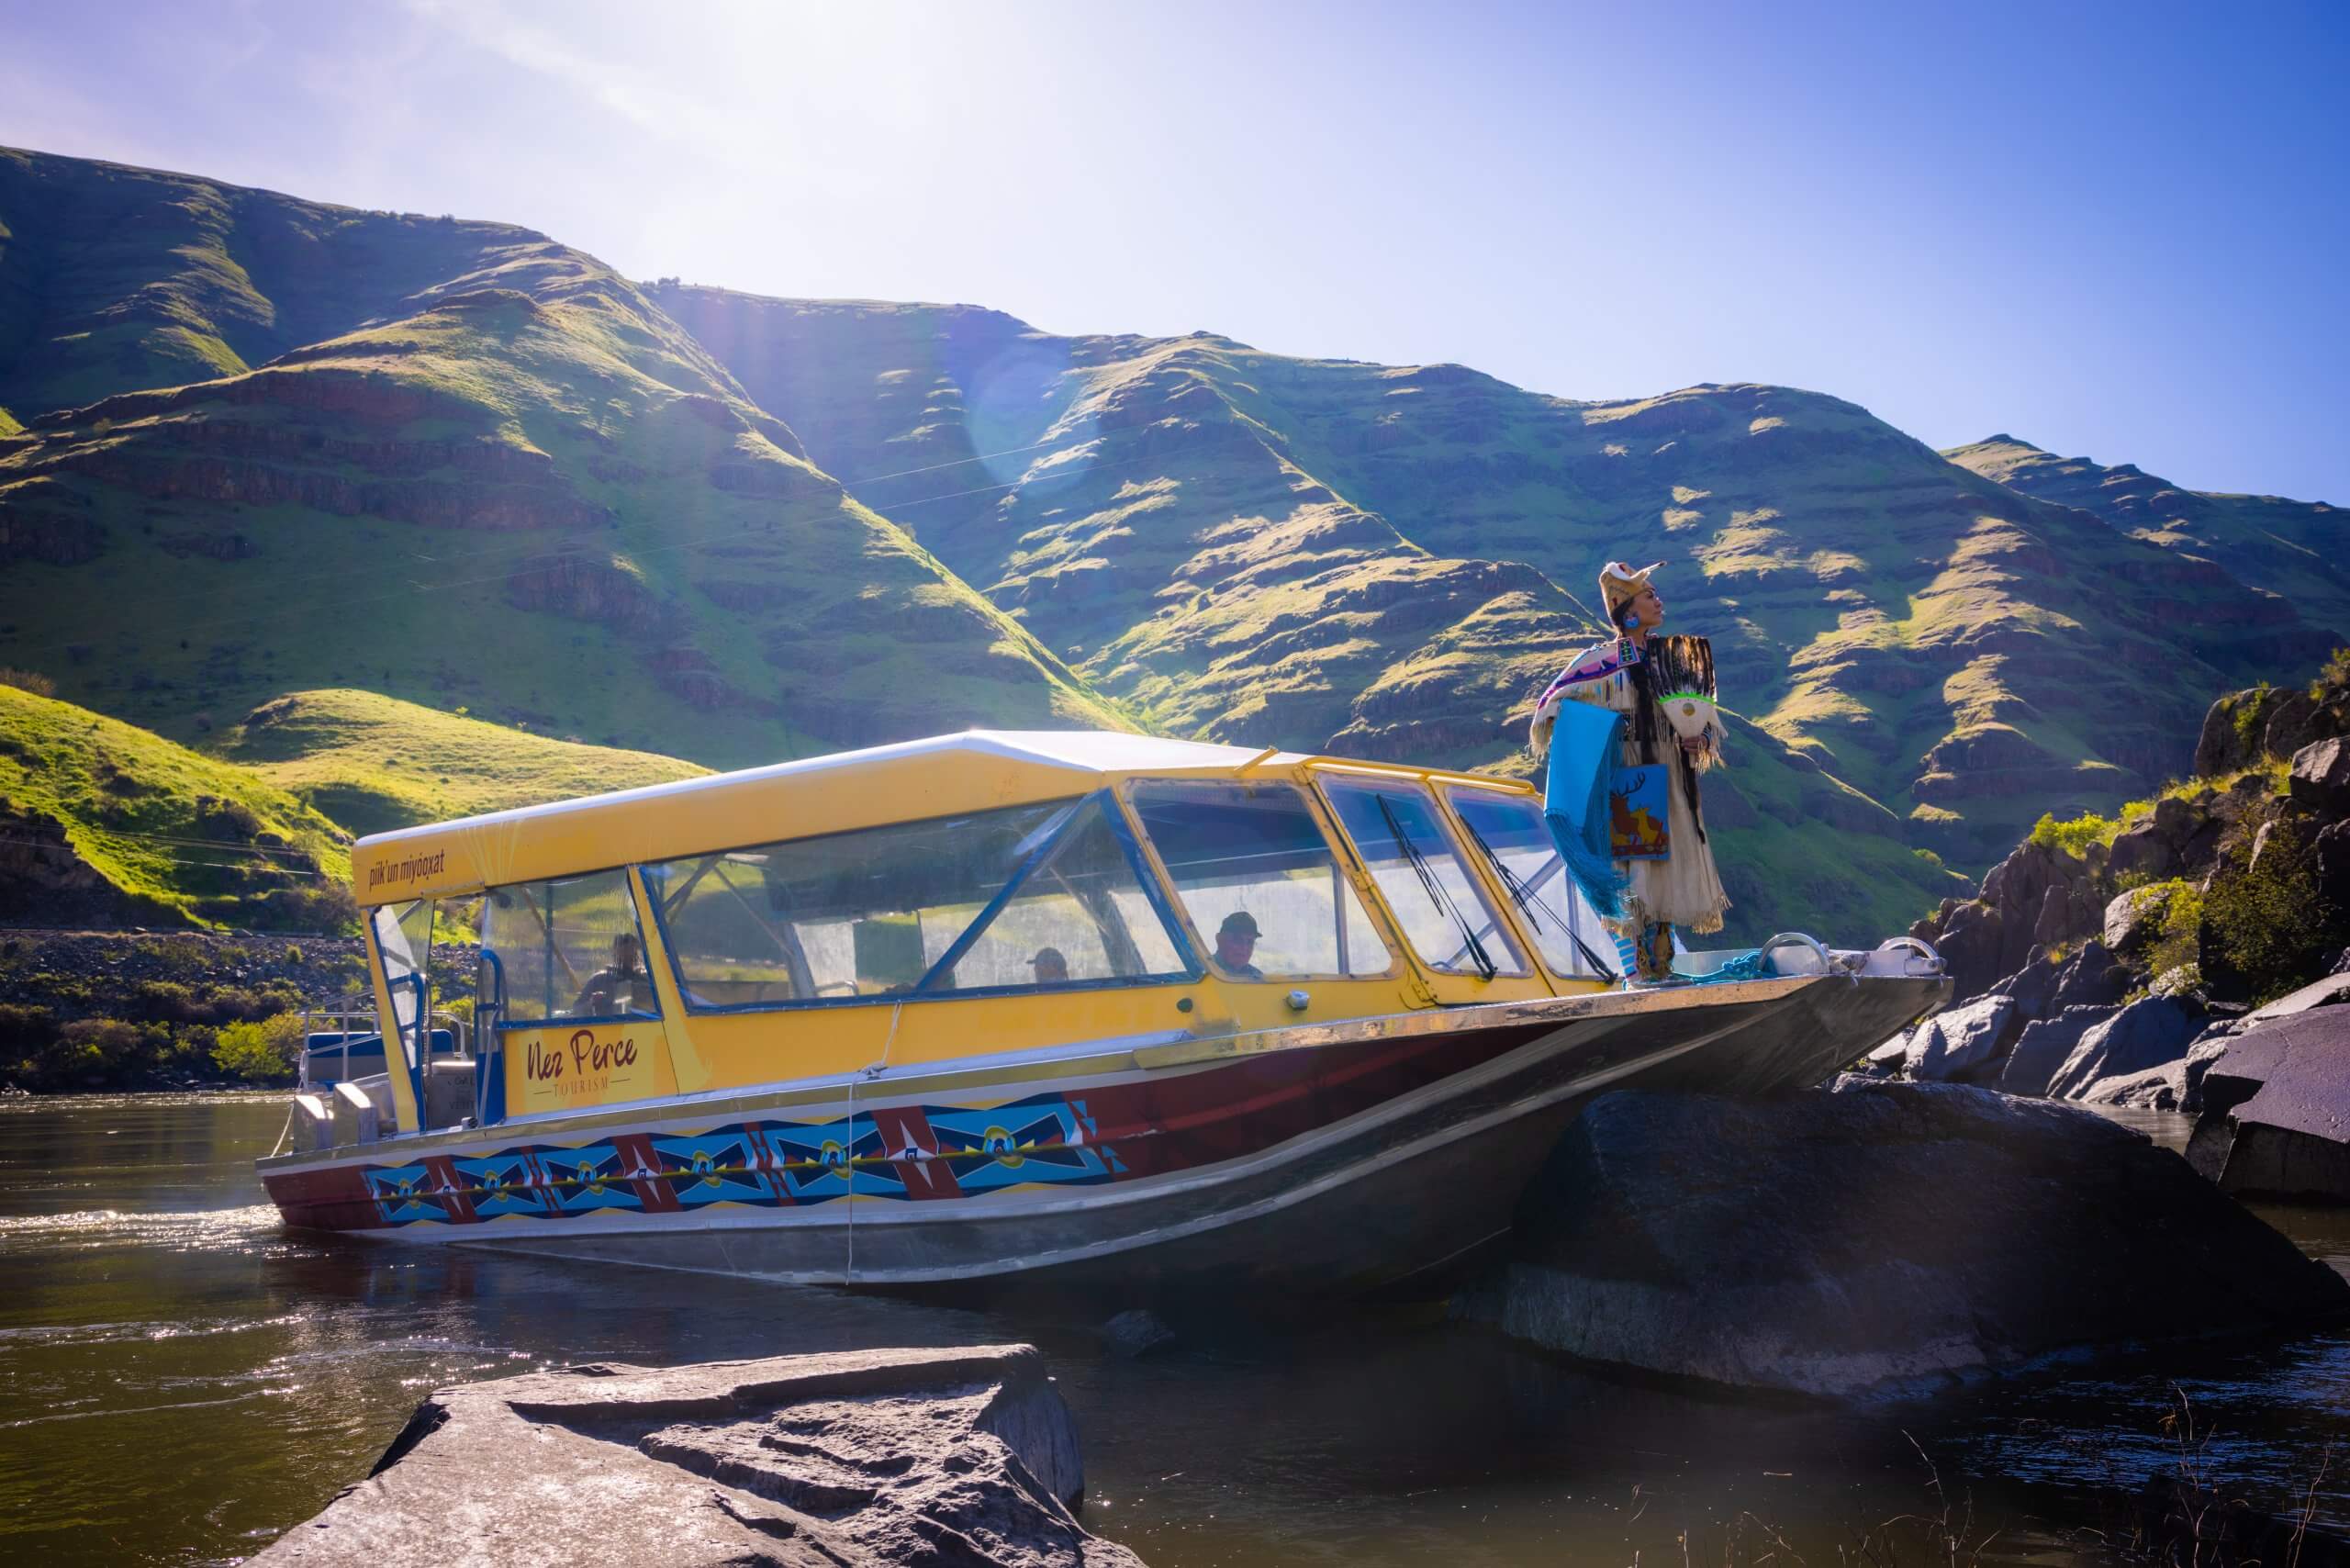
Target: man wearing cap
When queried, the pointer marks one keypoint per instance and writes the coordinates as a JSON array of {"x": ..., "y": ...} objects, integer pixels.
[
  {"x": 1051, "y": 965},
  {"x": 1641, "y": 900},
  {"x": 1235, "y": 944}
]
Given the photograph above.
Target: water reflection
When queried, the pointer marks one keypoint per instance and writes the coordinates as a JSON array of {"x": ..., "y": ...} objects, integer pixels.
[{"x": 180, "y": 1380}]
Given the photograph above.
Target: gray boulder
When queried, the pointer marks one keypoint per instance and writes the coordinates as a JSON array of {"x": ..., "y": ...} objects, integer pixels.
[
  {"x": 2291, "y": 1137},
  {"x": 2321, "y": 776},
  {"x": 2333, "y": 991},
  {"x": 1889, "y": 1058},
  {"x": 2033, "y": 986},
  {"x": 2206, "y": 1049},
  {"x": 2152, "y": 1032},
  {"x": 963, "y": 1456},
  {"x": 2045, "y": 1047},
  {"x": 1808, "y": 1244},
  {"x": 2131, "y": 917},
  {"x": 1960, "y": 1041},
  {"x": 2090, "y": 978},
  {"x": 2143, "y": 851},
  {"x": 2156, "y": 1089}
]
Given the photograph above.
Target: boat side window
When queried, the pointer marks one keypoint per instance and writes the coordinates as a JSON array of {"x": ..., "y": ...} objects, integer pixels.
[
  {"x": 1509, "y": 831},
  {"x": 1409, "y": 855},
  {"x": 571, "y": 948},
  {"x": 1019, "y": 897},
  {"x": 1255, "y": 873},
  {"x": 1080, "y": 916}
]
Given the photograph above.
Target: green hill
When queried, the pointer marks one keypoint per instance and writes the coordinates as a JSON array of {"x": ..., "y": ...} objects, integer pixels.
[
  {"x": 527, "y": 492},
  {"x": 374, "y": 763},
  {"x": 271, "y": 445},
  {"x": 104, "y": 824},
  {"x": 1385, "y": 559},
  {"x": 116, "y": 279},
  {"x": 2298, "y": 550}
]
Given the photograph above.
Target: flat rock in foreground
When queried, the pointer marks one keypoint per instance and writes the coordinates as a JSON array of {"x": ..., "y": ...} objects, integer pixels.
[
  {"x": 1878, "y": 1239},
  {"x": 964, "y": 1456}
]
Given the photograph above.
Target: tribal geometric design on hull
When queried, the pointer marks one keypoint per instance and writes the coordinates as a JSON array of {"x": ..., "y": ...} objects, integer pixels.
[{"x": 904, "y": 1152}]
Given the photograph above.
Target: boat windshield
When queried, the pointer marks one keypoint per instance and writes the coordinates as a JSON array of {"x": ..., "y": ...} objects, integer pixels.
[
  {"x": 1405, "y": 847},
  {"x": 1250, "y": 859},
  {"x": 1509, "y": 831},
  {"x": 1029, "y": 896}
]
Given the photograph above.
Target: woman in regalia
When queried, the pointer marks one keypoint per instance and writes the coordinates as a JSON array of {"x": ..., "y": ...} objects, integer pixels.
[{"x": 1659, "y": 691}]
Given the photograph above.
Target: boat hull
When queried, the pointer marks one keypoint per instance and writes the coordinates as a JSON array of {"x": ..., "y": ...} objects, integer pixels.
[{"x": 1321, "y": 1160}]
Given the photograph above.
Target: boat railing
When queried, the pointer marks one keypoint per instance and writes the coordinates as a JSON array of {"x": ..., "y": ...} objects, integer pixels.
[{"x": 332, "y": 1029}]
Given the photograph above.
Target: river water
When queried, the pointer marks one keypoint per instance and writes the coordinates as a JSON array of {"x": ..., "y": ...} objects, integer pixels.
[{"x": 180, "y": 1380}]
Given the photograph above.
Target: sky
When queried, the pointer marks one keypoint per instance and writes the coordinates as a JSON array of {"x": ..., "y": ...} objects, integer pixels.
[{"x": 2120, "y": 232}]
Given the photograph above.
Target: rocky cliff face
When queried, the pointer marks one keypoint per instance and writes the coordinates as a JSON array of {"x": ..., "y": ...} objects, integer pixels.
[{"x": 2110, "y": 960}]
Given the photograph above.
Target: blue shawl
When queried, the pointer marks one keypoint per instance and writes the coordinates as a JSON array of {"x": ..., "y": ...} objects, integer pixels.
[{"x": 1586, "y": 748}]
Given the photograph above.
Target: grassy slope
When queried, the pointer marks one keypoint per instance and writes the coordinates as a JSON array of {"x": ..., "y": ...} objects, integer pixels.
[
  {"x": 1153, "y": 516},
  {"x": 530, "y": 494},
  {"x": 371, "y": 763},
  {"x": 117, "y": 279},
  {"x": 139, "y": 811},
  {"x": 1963, "y": 654},
  {"x": 2297, "y": 549}
]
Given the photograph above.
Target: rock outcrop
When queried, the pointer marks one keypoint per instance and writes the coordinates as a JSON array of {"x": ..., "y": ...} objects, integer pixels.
[
  {"x": 2191, "y": 908},
  {"x": 2148, "y": 1034},
  {"x": 2275, "y": 1118},
  {"x": 965, "y": 1457},
  {"x": 1905, "y": 1236}
]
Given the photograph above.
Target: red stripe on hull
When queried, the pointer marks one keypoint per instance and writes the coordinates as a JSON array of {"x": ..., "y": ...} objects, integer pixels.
[{"x": 1181, "y": 1121}]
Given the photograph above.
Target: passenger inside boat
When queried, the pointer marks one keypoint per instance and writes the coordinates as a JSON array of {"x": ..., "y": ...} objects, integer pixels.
[
  {"x": 613, "y": 989},
  {"x": 1235, "y": 944},
  {"x": 1050, "y": 966}
]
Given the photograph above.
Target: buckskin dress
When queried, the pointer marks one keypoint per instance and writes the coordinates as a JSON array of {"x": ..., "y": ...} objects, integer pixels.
[{"x": 1683, "y": 889}]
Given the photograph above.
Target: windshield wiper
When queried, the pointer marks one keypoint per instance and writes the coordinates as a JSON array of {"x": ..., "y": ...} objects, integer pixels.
[
  {"x": 1523, "y": 896},
  {"x": 1485, "y": 965}
]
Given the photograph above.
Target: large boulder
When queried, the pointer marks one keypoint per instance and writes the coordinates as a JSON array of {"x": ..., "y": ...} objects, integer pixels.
[
  {"x": 2329, "y": 990},
  {"x": 2291, "y": 1137},
  {"x": 2033, "y": 986},
  {"x": 2202, "y": 1054},
  {"x": 2321, "y": 776},
  {"x": 2155, "y": 1088},
  {"x": 2038, "y": 896},
  {"x": 964, "y": 1456},
  {"x": 2152, "y": 1032},
  {"x": 1878, "y": 1238},
  {"x": 2220, "y": 748},
  {"x": 2045, "y": 1046},
  {"x": 1960, "y": 1042},
  {"x": 2092, "y": 977},
  {"x": 2132, "y": 918},
  {"x": 2142, "y": 851}
]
